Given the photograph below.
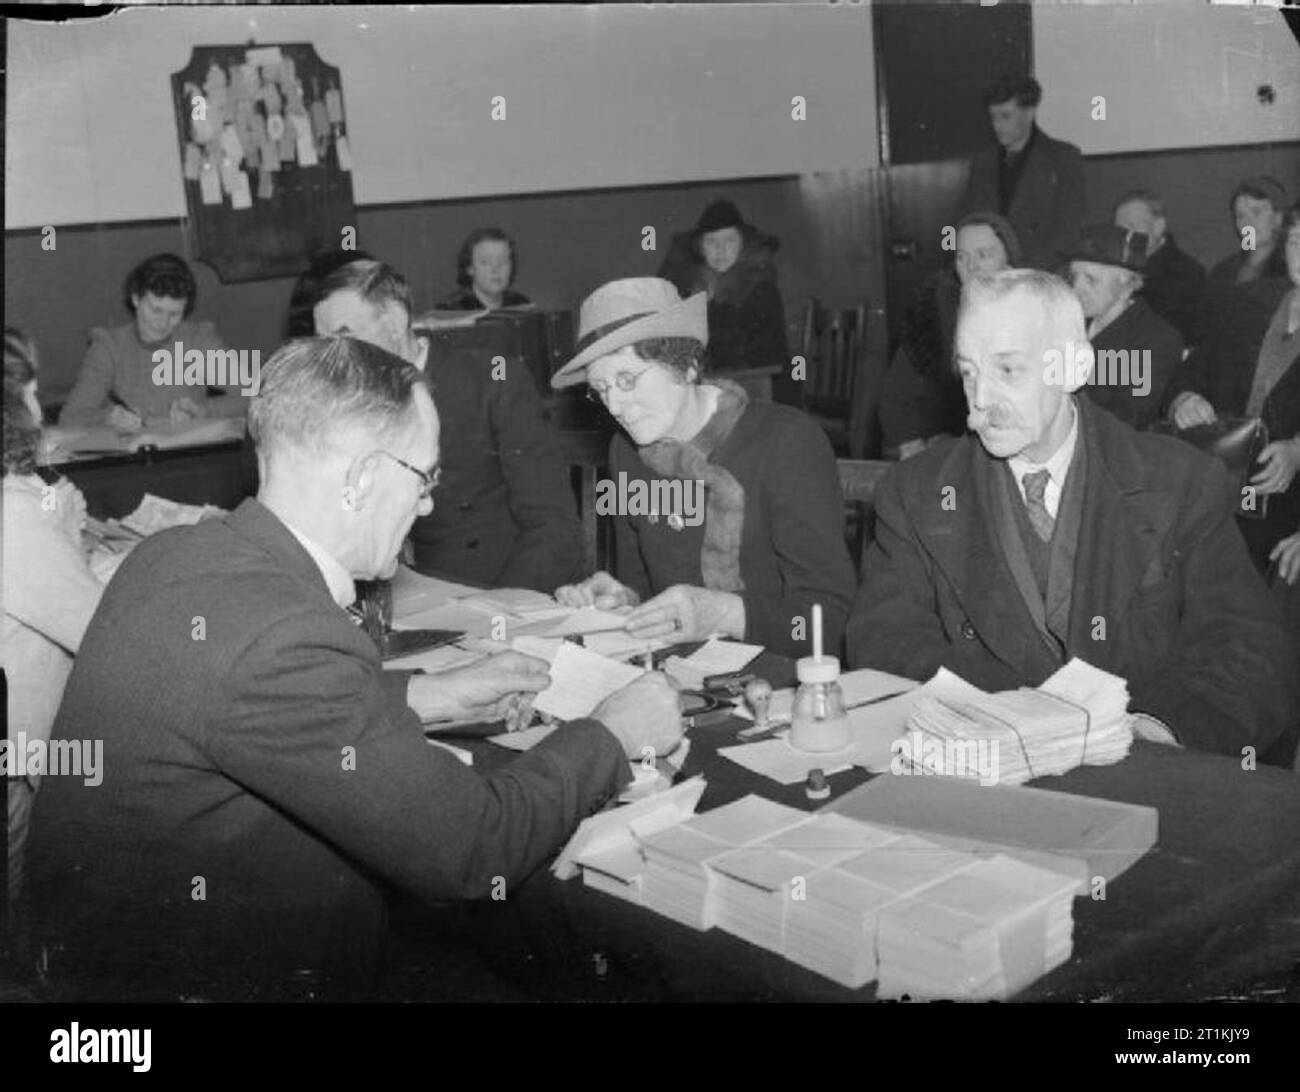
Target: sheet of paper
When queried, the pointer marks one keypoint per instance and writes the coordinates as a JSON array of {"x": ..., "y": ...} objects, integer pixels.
[
  {"x": 589, "y": 620},
  {"x": 719, "y": 657},
  {"x": 775, "y": 758},
  {"x": 580, "y": 681},
  {"x": 614, "y": 828},
  {"x": 413, "y": 592}
]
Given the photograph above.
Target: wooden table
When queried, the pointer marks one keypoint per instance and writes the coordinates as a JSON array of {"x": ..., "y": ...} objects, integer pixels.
[
  {"x": 115, "y": 484},
  {"x": 1212, "y": 912}
]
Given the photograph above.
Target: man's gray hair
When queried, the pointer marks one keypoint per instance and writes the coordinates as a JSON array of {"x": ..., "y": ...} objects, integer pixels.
[
  {"x": 316, "y": 388},
  {"x": 1060, "y": 305},
  {"x": 377, "y": 283},
  {"x": 1154, "y": 202}
]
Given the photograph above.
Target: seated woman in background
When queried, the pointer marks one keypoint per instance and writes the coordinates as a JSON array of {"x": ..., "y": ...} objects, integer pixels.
[
  {"x": 49, "y": 591},
  {"x": 735, "y": 263},
  {"x": 116, "y": 385},
  {"x": 485, "y": 269},
  {"x": 744, "y": 528},
  {"x": 923, "y": 400},
  {"x": 1250, "y": 366}
]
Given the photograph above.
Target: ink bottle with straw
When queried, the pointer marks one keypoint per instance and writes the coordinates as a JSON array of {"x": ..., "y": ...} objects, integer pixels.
[{"x": 818, "y": 721}]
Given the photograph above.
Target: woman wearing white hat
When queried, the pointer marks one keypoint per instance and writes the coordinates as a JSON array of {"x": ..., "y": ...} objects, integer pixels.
[{"x": 771, "y": 541}]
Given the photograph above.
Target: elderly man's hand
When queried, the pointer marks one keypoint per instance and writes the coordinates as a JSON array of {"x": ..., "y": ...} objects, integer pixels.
[
  {"x": 1281, "y": 463},
  {"x": 601, "y": 591},
  {"x": 1190, "y": 409},
  {"x": 643, "y": 715},
  {"x": 686, "y": 613},
  {"x": 1287, "y": 555},
  {"x": 494, "y": 688}
]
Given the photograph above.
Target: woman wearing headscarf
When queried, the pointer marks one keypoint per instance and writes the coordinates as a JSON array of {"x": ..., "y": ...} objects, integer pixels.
[{"x": 922, "y": 398}]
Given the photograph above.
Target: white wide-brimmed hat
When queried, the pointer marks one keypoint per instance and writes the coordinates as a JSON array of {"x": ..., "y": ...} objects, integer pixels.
[{"x": 624, "y": 312}]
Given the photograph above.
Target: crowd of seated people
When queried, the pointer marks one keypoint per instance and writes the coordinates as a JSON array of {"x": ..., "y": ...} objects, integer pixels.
[{"x": 1069, "y": 509}]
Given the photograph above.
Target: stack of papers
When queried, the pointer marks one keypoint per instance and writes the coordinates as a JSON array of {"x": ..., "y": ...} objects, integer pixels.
[
  {"x": 1077, "y": 716},
  {"x": 982, "y": 934},
  {"x": 845, "y": 899}
]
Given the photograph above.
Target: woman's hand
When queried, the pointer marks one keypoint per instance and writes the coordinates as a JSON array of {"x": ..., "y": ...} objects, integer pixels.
[
  {"x": 1287, "y": 555},
  {"x": 121, "y": 419},
  {"x": 686, "y": 613},
  {"x": 1281, "y": 461},
  {"x": 601, "y": 591},
  {"x": 1190, "y": 409},
  {"x": 185, "y": 409}
]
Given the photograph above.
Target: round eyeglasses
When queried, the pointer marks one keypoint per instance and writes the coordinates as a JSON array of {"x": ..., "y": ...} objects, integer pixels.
[{"x": 624, "y": 381}]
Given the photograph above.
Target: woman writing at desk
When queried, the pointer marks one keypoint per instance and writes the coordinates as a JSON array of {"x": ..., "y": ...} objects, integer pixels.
[
  {"x": 116, "y": 385},
  {"x": 749, "y": 553}
]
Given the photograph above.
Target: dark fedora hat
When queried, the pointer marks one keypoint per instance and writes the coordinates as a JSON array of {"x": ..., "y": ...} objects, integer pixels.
[
  {"x": 1111, "y": 245},
  {"x": 719, "y": 214}
]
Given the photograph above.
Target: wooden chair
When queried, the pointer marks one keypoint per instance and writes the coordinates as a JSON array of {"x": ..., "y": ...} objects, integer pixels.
[
  {"x": 859, "y": 479},
  {"x": 587, "y": 452},
  {"x": 834, "y": 347}
]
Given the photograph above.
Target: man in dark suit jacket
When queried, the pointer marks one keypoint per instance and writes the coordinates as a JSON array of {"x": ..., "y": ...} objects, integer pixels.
[
  {"x": 1057, "y": 532},
  {"x": 263, "y": 779},
  {"x": 1034, "y": 181},
  {"x": 1173, "y": 281},
  {"x": 506, "y": 514}
]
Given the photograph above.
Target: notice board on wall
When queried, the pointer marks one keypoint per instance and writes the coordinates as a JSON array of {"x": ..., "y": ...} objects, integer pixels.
[{"x": 267, "y": 167}]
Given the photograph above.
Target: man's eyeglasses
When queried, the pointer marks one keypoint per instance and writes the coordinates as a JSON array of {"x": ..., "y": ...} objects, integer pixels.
[
  {"x": 428, "y": 482},
  {"x": 624, "y": 381}
]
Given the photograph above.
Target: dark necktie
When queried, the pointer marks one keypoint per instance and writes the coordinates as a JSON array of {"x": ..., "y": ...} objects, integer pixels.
[{"x": 1035, "y": 491}]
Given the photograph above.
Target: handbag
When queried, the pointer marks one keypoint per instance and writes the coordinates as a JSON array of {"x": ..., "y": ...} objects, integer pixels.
[{"x": 1237, "y": 443}]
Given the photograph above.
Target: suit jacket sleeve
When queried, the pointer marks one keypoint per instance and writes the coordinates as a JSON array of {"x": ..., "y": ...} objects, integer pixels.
[
  {"x": 895, "y": 624},
  {"x": 1232, "y": 681},
  {"x": 1066, "y": 218},
  {"x": 806, "y": 532},
  {"x": 410, "y": 813},
  {"x": 547, "y": 552},
  {"x": 88, "y": 401},
  {"x": 1166, "y": 359}
]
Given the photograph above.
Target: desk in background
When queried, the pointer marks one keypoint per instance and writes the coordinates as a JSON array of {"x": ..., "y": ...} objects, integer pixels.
[
  {"x": 115, "y": 484},
  {"x": 1213, "y": 911}
]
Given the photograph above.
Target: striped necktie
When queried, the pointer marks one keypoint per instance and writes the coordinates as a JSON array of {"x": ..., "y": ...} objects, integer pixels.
[{"x": 1035, "y": 493}]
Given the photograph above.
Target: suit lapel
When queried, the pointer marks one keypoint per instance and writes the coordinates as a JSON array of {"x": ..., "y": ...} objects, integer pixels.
[
  {"x": 1119, "y": 536},
  {"x": 964, "y": 545}
]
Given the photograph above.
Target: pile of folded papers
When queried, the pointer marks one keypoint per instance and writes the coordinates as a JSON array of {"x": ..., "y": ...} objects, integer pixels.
[
  {"x": 1078, "y": 716},
  {"x": 983, "y": 933},
  {"x": 850, "y": 900}
]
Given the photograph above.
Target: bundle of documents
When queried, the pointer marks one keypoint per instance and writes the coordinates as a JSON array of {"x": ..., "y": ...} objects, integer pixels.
[
  {"x": 849, "y": 900},
  {"x": 983, "y": 933},
  {"x": 1077, "y": 716}
]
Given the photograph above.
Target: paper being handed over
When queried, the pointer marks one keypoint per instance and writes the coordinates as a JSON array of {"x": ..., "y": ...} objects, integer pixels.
[{"x": 580, "y": 681}]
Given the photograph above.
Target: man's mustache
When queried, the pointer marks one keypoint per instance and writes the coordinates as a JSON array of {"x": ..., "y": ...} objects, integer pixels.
[{"x": 997, "y": 415}]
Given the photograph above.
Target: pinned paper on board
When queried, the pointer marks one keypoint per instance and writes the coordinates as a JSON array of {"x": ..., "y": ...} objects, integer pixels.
[{"x": 250, "y": 111}]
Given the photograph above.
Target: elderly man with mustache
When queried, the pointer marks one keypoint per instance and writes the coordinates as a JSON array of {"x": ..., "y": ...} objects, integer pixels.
[{"x": 1053, "y": 530}]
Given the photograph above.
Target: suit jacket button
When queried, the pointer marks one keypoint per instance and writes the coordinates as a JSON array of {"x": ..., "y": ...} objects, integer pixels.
[{"x": 967, "y": 630}]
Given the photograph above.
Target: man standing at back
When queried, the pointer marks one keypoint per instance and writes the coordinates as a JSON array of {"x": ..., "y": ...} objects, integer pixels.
[
  {"x": 506, "y": 514},
  {"x": 1034, "y": 181}
]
